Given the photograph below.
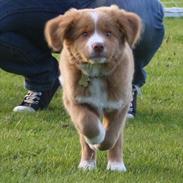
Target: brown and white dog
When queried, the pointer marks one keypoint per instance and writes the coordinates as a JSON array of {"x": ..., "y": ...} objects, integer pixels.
[{"x": 97, "y": 68}]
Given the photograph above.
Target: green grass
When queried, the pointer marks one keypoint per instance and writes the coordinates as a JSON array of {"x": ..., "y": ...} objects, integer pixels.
[
  {"x": 44, "y": 146},
  {"x": 172, "y": 3}
]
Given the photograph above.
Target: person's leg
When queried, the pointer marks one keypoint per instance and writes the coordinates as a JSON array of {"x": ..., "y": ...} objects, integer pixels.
[
  {"x": 18, "y": 55},
  {"x": 143, "y": 55},
  {"x": 23, "y": 49},
  {"x": 150, "y": 42}
]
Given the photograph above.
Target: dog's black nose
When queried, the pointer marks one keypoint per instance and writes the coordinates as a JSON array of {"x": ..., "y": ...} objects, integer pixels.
[{"x": 98, "y": 47}]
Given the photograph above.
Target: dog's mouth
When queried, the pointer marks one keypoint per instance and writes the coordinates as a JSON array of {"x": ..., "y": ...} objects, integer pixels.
[{"x": 97, "y": 60}]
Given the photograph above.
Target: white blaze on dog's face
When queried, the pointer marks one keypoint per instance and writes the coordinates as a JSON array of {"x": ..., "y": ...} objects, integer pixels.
[
  {"x": 94, "y": 35},
  {"x": 96, "y": 42}
]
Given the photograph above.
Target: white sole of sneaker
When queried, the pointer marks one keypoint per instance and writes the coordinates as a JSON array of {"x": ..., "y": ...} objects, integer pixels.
[
  {"x": 130, "y": 116},
  {"x": 23, "y": 109}
]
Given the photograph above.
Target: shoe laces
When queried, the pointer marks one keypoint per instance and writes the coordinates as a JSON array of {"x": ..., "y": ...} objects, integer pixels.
[
  {"x": 135, "y": 92},
  {"x": 131, "y": 107},
  {"x": 32, "y": 97}
]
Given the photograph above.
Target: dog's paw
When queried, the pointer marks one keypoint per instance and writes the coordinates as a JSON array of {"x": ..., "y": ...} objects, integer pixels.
[
  {"x": 116, "y": 166},
  {"x": 87, "y": 165}
]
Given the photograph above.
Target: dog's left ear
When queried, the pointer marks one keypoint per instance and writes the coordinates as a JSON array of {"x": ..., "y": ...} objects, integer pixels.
[
  {"x": 130, "y": 25},
  {"x": 133, "y": 29},
  {"x": 57, "y": 28}
]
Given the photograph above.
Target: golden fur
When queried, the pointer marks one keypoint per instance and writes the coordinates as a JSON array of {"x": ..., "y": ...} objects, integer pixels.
[{"x": 97, "y": 76}]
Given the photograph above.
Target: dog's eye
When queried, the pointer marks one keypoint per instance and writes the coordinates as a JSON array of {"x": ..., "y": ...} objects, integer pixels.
[
  {"x": 84, "y": 34},
  {"x": 108, "y": 33}
]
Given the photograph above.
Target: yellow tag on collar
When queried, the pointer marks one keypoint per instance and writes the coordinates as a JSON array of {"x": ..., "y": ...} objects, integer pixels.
[{"x": 84, "y": 80}]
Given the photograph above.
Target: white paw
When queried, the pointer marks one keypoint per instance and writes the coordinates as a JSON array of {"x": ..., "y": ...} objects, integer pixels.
[
  {"x": 87, "y": 165},
  {"x": 116, "y": 166}
]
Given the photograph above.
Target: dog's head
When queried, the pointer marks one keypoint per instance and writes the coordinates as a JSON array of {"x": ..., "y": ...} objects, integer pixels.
[{"x": 94, "y": 35}]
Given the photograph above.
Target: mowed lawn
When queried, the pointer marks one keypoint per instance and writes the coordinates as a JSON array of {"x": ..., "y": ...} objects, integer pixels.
[
  {"x": 172, "y": 3},
  {"x": 44, "y": 146}
]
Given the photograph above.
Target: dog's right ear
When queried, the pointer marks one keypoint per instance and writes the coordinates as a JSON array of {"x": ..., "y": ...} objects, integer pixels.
[{"x": 56, "y": 29}]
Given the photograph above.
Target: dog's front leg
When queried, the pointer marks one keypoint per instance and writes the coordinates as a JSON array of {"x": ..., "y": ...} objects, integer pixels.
[
  {"x": 90, "y": 129},
  {"x": 115, "y": 157},
  {"x": 87, "y": 123},
  {"x": 114, "y": 123},
  {"x": 88, "y": 156}
]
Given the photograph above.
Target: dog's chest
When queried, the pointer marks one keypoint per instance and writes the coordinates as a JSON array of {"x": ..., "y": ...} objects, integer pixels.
[{"x": 98, "y": 96}]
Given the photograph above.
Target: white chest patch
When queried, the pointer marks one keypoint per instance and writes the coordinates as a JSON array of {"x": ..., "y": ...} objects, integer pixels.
[{"x": 98, "y": 97}]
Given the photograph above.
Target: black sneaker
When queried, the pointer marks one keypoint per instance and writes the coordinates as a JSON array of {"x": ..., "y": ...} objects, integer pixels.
[
  {"x": 35, "y": 100},
  {"x": 133, "y": 103}
]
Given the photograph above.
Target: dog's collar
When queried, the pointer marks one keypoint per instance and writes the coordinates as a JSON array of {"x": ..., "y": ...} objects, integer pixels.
[
  {"x": 94, "y": 70},
  {"x": 91, "y": 71},
  {"x": 85, "y": 79}
]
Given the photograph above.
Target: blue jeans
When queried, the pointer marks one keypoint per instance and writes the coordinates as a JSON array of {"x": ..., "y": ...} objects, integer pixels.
[{"x": 24, "y": 51}]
